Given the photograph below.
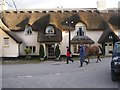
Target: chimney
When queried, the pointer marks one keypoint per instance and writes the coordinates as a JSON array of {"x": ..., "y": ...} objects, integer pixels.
[
  {"x": 3, "y": 5},
  {"x": 101, "y": 5}
]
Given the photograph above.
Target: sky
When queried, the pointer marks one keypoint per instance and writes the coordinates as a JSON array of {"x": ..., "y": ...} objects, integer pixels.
[{"x": 46, "y": 4}]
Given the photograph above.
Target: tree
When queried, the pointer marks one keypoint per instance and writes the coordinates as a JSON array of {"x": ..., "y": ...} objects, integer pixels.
[
  {"x": 57, "y": 51},
  {"x": 41, "y": 51}
]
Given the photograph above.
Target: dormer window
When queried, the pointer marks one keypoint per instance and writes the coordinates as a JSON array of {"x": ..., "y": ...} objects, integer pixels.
[
  {"x": 80, "y": 29},
  {"x": 49, "y": 30},
  {"x": 28, "y": 30}
]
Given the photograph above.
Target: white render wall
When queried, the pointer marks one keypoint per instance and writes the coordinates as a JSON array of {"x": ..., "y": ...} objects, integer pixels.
[
  {"x": 94, "y": 35},
  {"x": 64, "y": 42},
  {"x": 12, "y": 49},
  {"x": 28, "y": 40},
  {"x": 0, "y": 43}
]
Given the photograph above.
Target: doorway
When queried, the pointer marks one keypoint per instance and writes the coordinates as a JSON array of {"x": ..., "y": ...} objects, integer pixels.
[{"x": 50, "y": 50}]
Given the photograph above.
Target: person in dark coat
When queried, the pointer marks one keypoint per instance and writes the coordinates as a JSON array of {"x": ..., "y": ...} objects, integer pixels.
[
  {"x": 68, "y": 54},
  {"x": 82, "y": 55}
]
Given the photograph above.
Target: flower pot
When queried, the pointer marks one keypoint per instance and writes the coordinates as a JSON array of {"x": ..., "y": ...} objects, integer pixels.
[{"x": 41, "y": 59}]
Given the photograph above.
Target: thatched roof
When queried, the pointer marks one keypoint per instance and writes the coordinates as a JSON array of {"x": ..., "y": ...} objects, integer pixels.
[
  {"x": 105, "y": 36},
  {"x": 10, "y": 33},
  {"x": 82, "y": 40},
  {"x": 13, "y": 36},
  {"x": 113, "y": 18},
  {"x": 56, "y": 37},
  {"x": 39, "y": 20}
]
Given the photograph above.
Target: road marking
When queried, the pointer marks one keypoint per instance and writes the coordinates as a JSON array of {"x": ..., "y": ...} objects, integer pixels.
[
  {"x": 28, "y": 76},
  {"x": 24, "y": 76},
  {"x": 57, "y": 73},
  {"x": 55, "y": 63}
]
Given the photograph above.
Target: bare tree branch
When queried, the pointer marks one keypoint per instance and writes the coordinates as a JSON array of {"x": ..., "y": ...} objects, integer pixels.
[{"x": 14, "y": 5}]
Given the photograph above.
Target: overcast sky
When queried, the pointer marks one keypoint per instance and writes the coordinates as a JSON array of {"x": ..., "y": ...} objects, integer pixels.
[{"x": 37, "y": 4}]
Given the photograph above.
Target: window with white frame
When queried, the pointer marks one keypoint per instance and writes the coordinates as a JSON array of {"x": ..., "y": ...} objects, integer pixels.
[
  {"x": 6, "y": 41},
  {"x": 80, "y": 29},
  {"x": 110, "y": 37},
  {"x": 75, "y": 48},
  {"x": 33, "y": 49},
  {"x": 49, "y": 30},
  {"x": 28, "y": 30}
]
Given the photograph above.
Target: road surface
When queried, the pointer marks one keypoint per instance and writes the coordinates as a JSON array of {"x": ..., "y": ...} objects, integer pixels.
[{"x": 58, "y": 74}]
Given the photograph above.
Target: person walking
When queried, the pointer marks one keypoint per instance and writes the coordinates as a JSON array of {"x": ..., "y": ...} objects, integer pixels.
[
  {"x": 82, "y": 55},
  {"x": 68, "y": 54}
]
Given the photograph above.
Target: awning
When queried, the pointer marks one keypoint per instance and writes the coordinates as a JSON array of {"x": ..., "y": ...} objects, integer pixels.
[{"x": 82, "y": 40}]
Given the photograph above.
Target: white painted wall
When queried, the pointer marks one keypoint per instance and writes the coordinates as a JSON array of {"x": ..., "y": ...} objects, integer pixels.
[
  {"x": 28, "y": 40},
  {"x": 12, "y": 49},
  {"x": 0, "y": 43},
  {"x": 94, "y": 35},
  {"x": 64, "y": 43}
]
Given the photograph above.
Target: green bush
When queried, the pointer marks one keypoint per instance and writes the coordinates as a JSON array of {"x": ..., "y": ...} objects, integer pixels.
[
  {"x": 41, "y": 51},
  {"x": 27, "y": 52},
  {"x": 57, "y": 51}
]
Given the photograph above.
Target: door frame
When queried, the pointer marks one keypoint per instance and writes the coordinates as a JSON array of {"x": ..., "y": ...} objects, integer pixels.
[{"x": 50, "y": 50}]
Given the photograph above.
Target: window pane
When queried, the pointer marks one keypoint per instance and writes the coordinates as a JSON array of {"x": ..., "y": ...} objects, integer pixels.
[
  {"x": 49, "y": 29},
  {"x": 33, "y": 49},
  {"x": 6, "y": 41},
  {"x": 28, "y": 29},
  {"x": 110, "y": 44},
  {"x": 80, "y": 31},
  {"x": 75, "y": 48}
]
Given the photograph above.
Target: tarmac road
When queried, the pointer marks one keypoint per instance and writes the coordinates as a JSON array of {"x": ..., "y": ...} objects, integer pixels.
[{"x": 58, "y": 74}]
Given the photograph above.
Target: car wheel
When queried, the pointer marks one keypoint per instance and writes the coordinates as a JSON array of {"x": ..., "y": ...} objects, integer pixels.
[{"x": 113, "y": 76}]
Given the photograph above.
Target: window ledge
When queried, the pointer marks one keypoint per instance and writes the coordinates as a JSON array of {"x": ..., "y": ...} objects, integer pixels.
[
  {"x": 28, "y": 34},
  {"x": 5, "y": 46},
  {"x": 50, "y": 34}
]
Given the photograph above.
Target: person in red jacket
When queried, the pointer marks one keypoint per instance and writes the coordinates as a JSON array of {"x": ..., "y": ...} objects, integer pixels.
[{"x": 68, "y": 54}]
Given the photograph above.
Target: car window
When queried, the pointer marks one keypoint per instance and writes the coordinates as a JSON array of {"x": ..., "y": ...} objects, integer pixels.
[{"x": 116, "y": 50}]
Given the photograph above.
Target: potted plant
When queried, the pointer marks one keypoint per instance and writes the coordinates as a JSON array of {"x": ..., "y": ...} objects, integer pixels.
[
  {"x": 27, "y": 52},
  {"x": 41, "y": 52},
  {"x": 57, "y": 52}
]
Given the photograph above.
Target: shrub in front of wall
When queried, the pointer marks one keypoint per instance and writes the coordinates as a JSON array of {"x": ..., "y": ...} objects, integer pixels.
[
  {"x": 57, "y": 52},
  {"x": 41, "y": 51},
  {"x": 28, "y": 52}
]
